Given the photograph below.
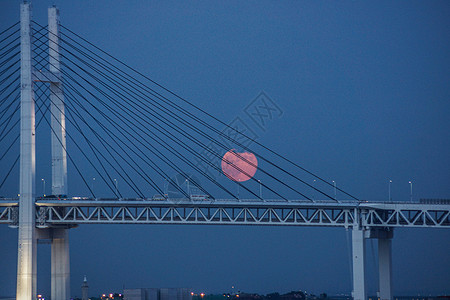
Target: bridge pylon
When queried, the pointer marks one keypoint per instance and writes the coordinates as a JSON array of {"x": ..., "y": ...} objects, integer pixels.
[
  {"x": 28, "y": 234},
  {"x": 60, "y": 259},
  {"x": 26, "y": 262}
]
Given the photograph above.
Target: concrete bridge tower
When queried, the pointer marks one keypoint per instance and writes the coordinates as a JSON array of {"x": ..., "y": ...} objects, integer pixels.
[{"x": 28, "y": 234}]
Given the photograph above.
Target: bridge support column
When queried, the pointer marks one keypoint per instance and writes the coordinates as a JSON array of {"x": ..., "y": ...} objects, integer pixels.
[
  {"x": 359, "y": 266},
  {"x": 384, "y": 237},
  {"x": 60, "y": 264},
  {"x": 385, "y": 268},
  {"x": 26, "y": 264}
]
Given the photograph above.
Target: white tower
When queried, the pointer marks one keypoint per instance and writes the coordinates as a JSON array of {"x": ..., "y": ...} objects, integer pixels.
[{"x": 84, "y": 289}]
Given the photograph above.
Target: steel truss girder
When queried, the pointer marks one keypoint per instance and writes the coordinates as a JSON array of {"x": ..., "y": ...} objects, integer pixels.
[
  {"x": 368, "y": 215},
  {"x": 162, "y": 214},
  {"x": 405, "y": 215},
  {"x": 9, "y": 215}
]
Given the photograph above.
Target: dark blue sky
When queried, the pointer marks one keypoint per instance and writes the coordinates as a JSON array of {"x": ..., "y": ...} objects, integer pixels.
[{"x": 365, "y": 93}]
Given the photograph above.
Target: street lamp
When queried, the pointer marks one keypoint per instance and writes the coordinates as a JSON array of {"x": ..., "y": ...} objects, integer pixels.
[
  {"x": 43, "y": 186},
  {"x": 390, "y": 181},
  {"x": 187, "y": 187},
  {"x": 238, "y": 190},
  {"x": 334, "y": 183},
  {"x": 314, "y": 192},
  {"x": 117, "y": 190},
  {"x": 92, "y": 189},
  {"x": 410, "y": 194},
  {"x": 260, "y": 189}
]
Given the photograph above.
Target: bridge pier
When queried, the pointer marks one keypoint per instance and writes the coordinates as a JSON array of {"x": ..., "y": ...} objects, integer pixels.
[
  {"x": 384, "y": 238},
  {"x": 385, "y": 268},
  {"x": 60, "y": 264},
  {"x": 359, "y": 267}
]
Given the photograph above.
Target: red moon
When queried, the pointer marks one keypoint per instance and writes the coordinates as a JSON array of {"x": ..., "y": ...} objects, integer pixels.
[{"x": 239, "y": 166}]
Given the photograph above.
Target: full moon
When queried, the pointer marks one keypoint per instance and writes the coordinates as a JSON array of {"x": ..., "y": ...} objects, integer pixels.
[{"x": 239, "y": 166}]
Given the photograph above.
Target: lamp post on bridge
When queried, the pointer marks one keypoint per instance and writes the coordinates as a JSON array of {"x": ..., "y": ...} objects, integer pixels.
[
  {"x": 260, "y": 189},
  {"x": 187, "y": 187},
  {"x": 92, "y": 187},
  {"x": 43, "y": 186},
  {"x": 410, "y": 194},
  {"x": 314, "y": 192},
  {"x": 334, "y": 184},
  {"x": 238, "y": 190},
  {"x": 390, "y": 181}
]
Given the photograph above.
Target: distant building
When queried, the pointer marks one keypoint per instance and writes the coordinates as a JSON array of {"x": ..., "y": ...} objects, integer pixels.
[
  {"x": 294, "y": 295},
  {"x": 84, "y": 289},
  {"x": 134, "y": 294},
  {"x": 157, "y": 294}
]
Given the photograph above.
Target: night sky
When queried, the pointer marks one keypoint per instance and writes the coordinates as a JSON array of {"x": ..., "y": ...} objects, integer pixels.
[{"x": 364, "y": 94}]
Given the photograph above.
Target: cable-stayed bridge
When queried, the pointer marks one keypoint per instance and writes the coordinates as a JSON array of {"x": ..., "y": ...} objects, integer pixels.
[{"x": 110, "y": 120}]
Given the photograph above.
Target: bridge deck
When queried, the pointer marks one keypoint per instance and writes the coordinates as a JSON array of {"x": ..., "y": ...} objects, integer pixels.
[{"x": 72, "y": 211}]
